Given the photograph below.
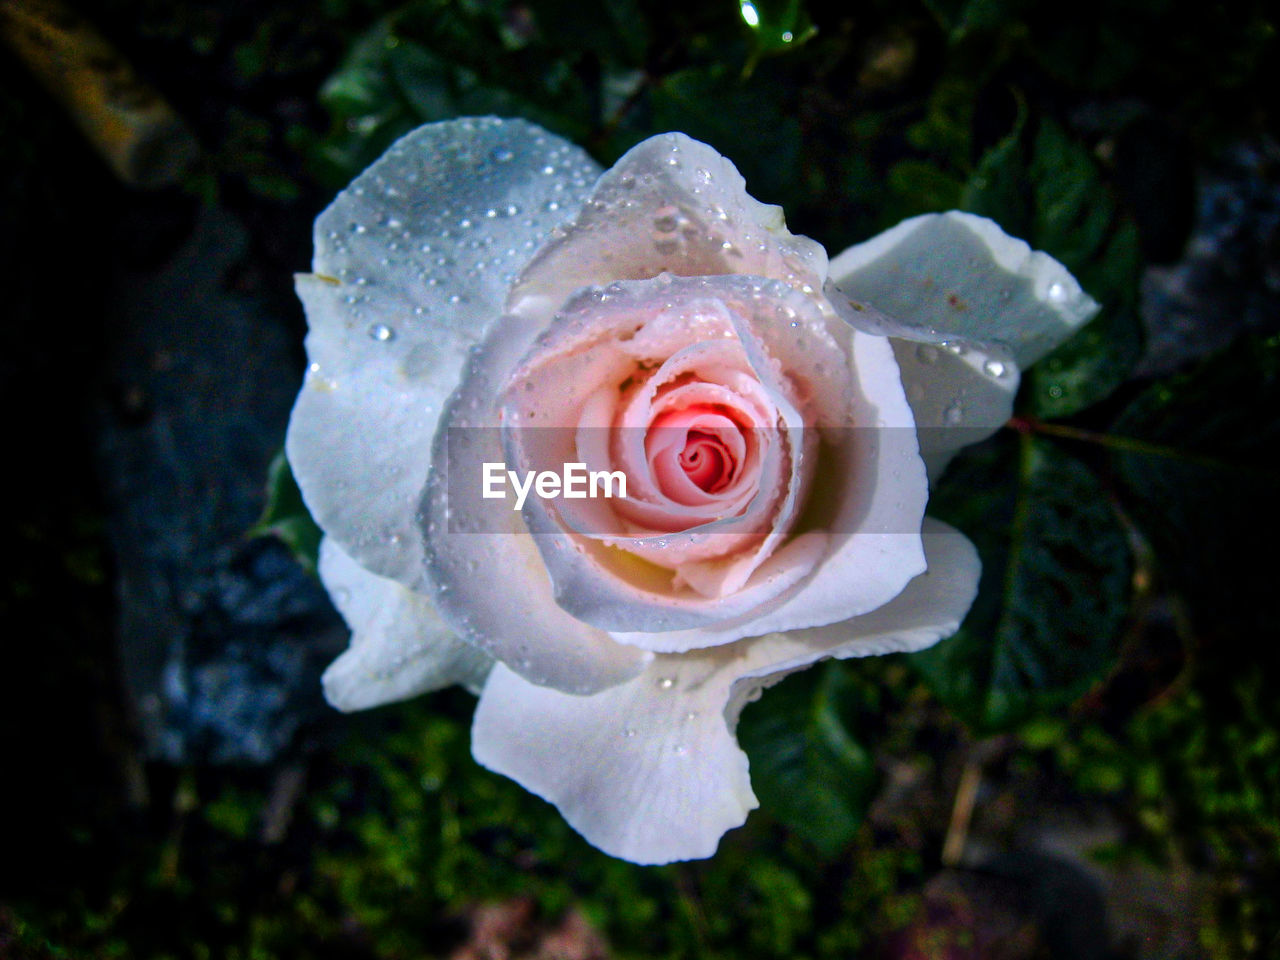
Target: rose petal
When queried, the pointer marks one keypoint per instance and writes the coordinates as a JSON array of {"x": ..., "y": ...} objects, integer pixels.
[
  {"x": 930, "y": 608},
  {"x": 489, "y": 581},
  {"x": 956, "y": 274},
  {"x": 967, "y": 305},
  {"x": 650, "y": 771},
  {"x": 671, "y": 204},
  {"x": 399, "y": 645},
  {"x": 595, "y": 582},
  {"x": 961, "y": 392},
  {"x": 410, "y": 269},
  {"x": 647, "y": 771},
  {"x": 873, "y": 549}
]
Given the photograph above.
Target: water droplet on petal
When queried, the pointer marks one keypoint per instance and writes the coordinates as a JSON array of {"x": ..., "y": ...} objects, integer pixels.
[
  {"x": 666, "y": 220},
  {"x": 994, "y": 368},
  {"x": 381, "y": 332},
  {"x": 927, "y": 353},
  {"x": 666, "y": 683},
  {"x": 954, "y": 413}
]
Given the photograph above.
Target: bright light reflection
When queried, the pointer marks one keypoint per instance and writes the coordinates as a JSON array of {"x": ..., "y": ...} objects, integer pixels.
[{"x": 750, "y": 14}]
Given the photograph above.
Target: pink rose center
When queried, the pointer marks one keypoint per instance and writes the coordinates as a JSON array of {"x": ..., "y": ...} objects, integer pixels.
[
  {"x": 696, "y": 452},
  {"x": 706, "y": 461}
]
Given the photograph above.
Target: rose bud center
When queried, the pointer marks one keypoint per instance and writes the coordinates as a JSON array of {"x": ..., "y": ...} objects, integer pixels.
[{"x": 706, "y": 461}]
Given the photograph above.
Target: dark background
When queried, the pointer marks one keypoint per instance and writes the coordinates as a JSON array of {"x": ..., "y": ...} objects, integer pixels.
[{"x": 171, "y": 784}]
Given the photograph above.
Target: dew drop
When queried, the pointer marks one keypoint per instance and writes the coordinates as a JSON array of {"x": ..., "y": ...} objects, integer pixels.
[
  {"x": 501, "y": 155},
  {"x": 927, "y": 353},
  {"x": 954, "y": 414},
  {"x": 666, "y": 683},
  {"x": 994, "y": 368},
  {"x": 628, "y": 732},
  {"x": 666, "y": 220},
  {"x": 381, "y": 332},
  {"x": 1057, "y": 292}
]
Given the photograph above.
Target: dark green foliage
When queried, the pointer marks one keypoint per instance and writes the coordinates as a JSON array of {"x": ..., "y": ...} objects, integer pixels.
[
  {"x": 285, "y": 515},
  {"x": 1199, "y": 480},
  {"x": 809, "y": 769},
  {"x": 1055, "y": 582},
  {"x": 1048, "y": 191}
]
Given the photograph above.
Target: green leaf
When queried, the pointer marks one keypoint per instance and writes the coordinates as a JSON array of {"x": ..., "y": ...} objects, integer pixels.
[
  {"x": 998, "y": 188},
  {"x": 963, "y": 17},
  {"x": 918, "y": 187},
  {"x": 1054, "y": 589},
  {"x": 776, "y": 25},
  {"x": 1072, "y": 209},
  {"x": 807, "y": 767},
  {"x": 1200, "y": 482},
  {"x": 1049, "y": 192},
  {"x": 945, "y": 131},
  {"x": 285, "y": 516},
  {"x": 1094, "y": 362}
]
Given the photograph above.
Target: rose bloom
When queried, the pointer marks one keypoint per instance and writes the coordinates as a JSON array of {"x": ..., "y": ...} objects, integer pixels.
[{"x": 484, "y": 294}]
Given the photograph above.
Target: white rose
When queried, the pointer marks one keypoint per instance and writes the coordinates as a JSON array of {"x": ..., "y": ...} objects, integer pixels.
[{"x": 483, "y": 294}]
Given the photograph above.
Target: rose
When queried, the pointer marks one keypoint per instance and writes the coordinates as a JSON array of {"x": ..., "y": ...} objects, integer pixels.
[{"x": 482, "y": 294}]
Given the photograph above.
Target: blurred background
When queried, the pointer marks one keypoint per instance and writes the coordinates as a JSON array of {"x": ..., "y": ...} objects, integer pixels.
[{"x": 1090, "y": 769}]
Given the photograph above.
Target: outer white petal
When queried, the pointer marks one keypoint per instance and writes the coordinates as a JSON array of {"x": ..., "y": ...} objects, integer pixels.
[
  {"x": 399, "y": 645},
  {"x": 412, "y": 264},
  {"x": 674, "y": 205},
  {"x": 959, "y": 275},
  {"x": 931, "y": 607},
  {"x": 968, "y": 306},
  {"x": 649, "y": 770}
]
